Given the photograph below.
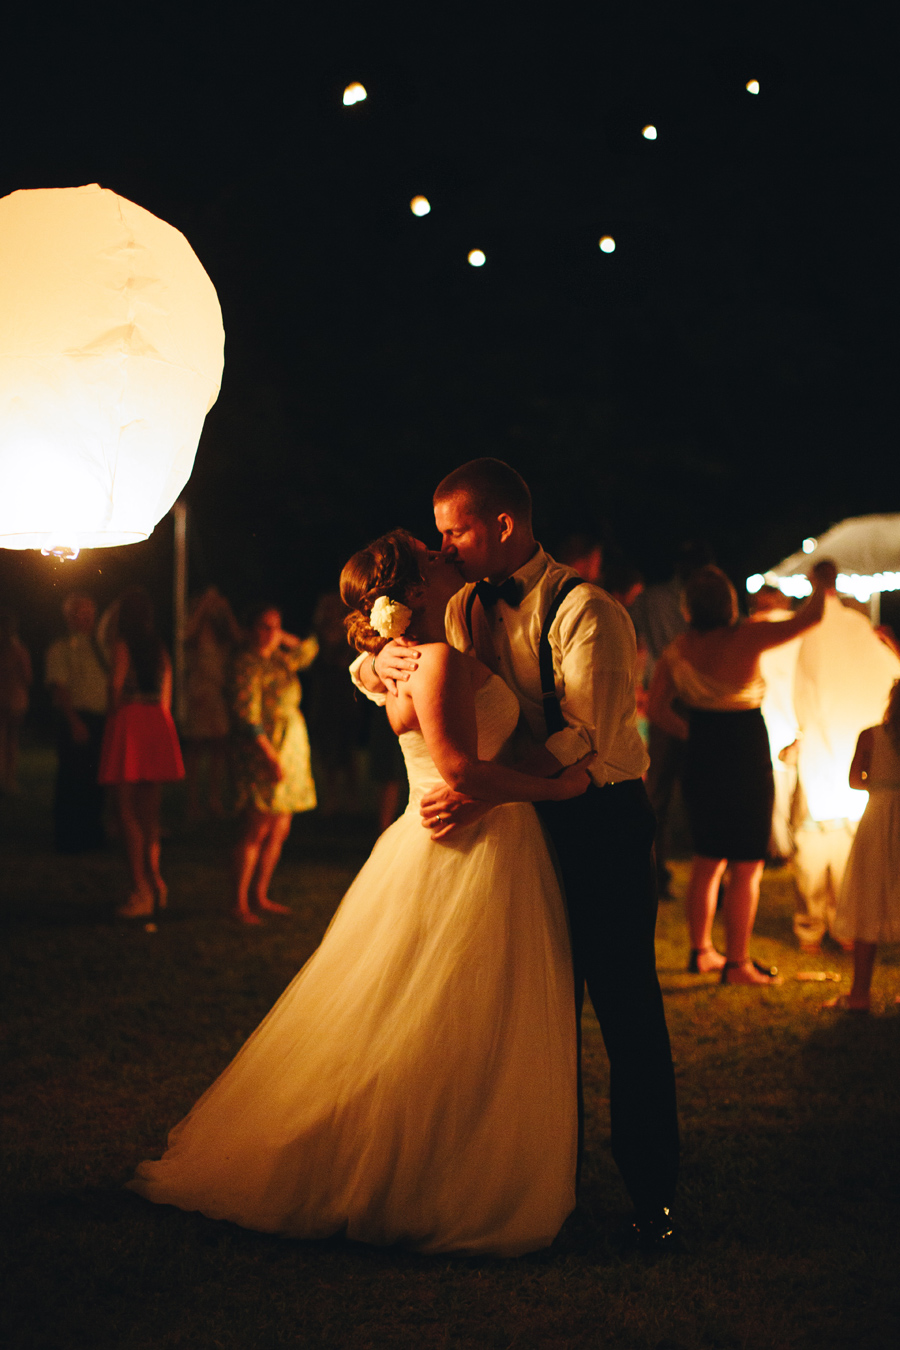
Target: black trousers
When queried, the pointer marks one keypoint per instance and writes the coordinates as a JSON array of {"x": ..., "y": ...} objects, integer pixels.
[
  {"x": 78, "y": 797},
  {"x": 604, "y": 841}
]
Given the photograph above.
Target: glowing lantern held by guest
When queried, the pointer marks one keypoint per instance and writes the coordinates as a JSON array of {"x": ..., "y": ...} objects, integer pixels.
[{"x": 111, "y": 354}]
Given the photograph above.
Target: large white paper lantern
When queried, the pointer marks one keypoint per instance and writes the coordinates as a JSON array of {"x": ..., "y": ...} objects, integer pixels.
[{"x": 111, "y": 354}]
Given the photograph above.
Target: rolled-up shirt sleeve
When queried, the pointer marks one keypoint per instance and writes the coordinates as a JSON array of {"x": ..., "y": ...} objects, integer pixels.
[{"x": 594, "y": 653}]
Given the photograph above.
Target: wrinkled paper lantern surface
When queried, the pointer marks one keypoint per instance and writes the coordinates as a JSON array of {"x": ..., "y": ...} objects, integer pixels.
[{"x": 111, "y": 354}]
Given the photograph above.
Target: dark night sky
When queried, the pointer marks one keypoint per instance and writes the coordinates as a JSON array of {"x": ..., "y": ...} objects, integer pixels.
[{"x": 725, "y": 372}]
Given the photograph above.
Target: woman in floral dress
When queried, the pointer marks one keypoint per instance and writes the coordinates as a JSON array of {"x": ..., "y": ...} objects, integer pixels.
[{"x": 272, "y": 771}]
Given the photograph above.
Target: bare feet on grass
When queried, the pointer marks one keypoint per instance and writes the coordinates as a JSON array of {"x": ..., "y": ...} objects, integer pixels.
[
  {"x": 847, "y": 1003},
  {"x": 745, "y": 972},
  {"x": 704, "y": 961},
  {"x": 272, "y": 906},
  {"x": 246, "y": 916}
]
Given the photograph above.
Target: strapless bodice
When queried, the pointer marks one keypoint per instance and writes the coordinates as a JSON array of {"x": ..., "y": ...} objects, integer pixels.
[{"x": 496, "y": 714}]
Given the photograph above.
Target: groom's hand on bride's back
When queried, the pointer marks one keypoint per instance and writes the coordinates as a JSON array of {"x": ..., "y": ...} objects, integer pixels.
[
  {"x": 395, "y": 662},
  {"x": 444, "y": 811}
]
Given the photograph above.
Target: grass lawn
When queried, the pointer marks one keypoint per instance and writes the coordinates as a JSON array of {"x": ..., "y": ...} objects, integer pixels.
[{"x": 790, "y": 1192}]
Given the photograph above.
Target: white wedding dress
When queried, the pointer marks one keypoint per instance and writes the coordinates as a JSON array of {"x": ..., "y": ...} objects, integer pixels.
[{"x": 415, "y": 1083}]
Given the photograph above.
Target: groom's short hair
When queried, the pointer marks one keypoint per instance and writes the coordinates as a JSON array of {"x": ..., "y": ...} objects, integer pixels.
[{"x": 491, "y": 488}]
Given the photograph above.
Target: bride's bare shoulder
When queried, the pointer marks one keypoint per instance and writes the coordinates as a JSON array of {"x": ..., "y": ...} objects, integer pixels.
[{"x": 438, "y": 660}]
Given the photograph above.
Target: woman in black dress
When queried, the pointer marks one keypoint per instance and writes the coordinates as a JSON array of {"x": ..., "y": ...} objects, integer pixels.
[{"x": 713, "y": 670}]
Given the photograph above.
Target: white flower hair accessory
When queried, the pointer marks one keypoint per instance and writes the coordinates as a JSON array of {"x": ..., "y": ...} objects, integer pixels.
[{"x": 389, "y": 618}]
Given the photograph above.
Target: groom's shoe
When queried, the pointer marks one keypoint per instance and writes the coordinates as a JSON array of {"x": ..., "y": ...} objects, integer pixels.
[{"x": 653, "y": 1233}]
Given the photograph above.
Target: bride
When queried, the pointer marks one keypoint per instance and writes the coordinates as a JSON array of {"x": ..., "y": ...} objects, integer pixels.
[{"x": 415, "y": 1083}]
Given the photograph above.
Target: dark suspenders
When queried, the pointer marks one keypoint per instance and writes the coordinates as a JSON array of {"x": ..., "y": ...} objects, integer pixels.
[{"x": 552, "y": 711}]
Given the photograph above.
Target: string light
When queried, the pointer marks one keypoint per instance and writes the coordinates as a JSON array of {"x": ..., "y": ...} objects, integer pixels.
[
  {"x": 354, "y": 93},
  {"x": 420, "y": 206},
  {"x": 752, "y": 86},
  {"x": 477, "y": 258},
  {"x": 809, "y": 545},
  {"x": 862, "y": 588},
  {"x": 607, "y": 244},
  {"x": 649, "y": 133}
]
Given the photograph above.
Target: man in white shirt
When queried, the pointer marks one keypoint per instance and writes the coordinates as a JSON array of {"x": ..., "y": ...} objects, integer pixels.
[
  {"x": 76, "y": 676},
  {"x": 604, "y": 839}
]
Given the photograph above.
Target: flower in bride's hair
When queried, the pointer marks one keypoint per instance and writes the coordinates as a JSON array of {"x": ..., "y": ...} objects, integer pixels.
[{"x": 389, "y": 618}]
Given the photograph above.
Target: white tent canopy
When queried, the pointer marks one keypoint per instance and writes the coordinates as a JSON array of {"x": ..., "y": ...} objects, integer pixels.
[{"x": 865, "y": 549}]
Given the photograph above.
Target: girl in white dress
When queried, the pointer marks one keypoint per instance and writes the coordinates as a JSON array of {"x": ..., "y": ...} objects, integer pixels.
[
  {"x": 415, "y": 1083},
  {"x": 868, "y": 909}
]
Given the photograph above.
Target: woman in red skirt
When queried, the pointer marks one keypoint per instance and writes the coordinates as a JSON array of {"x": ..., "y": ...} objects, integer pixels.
[{"x": 140, "y": 746}]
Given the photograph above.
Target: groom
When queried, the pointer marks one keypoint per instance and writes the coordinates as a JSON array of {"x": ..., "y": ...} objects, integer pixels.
[{"x": 567, "y": 651}]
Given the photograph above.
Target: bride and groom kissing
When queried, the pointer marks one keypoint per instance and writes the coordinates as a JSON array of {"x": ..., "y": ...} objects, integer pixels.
[{"x": 418, "y": 1082}]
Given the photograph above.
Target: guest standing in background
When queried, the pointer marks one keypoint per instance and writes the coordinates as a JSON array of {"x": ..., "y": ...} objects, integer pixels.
[
  {"x": 77, "y": 677},
  {"x": 211, "y": 634},
  {"x": 273, "y": 778},
  {"x": 140, "y": 746},
  {"x": 658, "y": 617},
  {"x": 778, "y": 666},
  {"x": 843, "y": 676},
  {"x": 868, "y": 910},
  {"x": 335, "y": 716},
  {"x": 713, "y": 669},
  {"x": 15, "y": 681}
]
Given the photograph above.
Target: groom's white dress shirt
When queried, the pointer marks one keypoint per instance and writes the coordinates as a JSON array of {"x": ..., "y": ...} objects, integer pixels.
[{"x": 593, "y": 645}]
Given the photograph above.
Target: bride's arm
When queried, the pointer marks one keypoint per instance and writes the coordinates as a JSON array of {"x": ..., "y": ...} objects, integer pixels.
[{"x": 444, "y": 702}]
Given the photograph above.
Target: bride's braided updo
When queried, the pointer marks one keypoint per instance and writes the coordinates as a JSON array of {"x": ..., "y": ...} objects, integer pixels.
[{"x": 390, "y": 567}]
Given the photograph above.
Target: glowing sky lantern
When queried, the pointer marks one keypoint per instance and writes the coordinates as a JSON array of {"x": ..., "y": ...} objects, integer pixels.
[
  {"x": 111, "y": 354},
  {"x": 752, "y": 86},
  {"x": 607, "y": 244},
  {"x": 649, "y": 133},
  {"x": 354, "y": 93},
  {"x": 477, "y": 258},
  {"x": 420, "y": 206}
]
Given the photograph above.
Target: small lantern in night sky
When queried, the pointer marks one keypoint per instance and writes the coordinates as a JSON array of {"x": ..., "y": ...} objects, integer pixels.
[{"x": 111, "y": 354}]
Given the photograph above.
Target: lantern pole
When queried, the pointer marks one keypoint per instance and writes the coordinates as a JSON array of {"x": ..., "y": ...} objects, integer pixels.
[{"x": 179, "y": 605}]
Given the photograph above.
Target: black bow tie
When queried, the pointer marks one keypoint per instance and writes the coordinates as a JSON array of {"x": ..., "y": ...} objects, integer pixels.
[{"x": 508, "y": 590}]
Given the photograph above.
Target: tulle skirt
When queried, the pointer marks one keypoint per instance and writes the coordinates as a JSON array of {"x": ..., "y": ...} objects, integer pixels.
[
  {"x": 868, "y": 907},
  {"x": 416, "y": 1082}
]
